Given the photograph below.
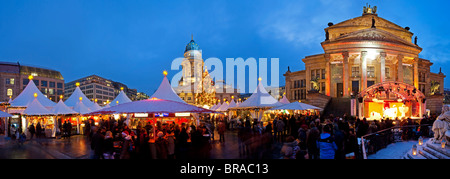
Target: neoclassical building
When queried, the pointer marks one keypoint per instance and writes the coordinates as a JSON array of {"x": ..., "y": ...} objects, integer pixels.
[{"x": 373, "y": 60}]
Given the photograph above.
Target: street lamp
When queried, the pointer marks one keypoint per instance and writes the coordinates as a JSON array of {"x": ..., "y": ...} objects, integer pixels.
[{"x": 414, "y": 150}]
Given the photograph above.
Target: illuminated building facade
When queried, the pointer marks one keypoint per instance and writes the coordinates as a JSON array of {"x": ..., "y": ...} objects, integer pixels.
[
  {"x": 196, "y": 86},
  {"x": 373, "y": 60},
  {"x": 14, "y": 78}
]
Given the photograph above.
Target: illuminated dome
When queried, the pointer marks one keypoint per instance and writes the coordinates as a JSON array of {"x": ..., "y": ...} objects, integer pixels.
[{"x": 191, "y": 45}]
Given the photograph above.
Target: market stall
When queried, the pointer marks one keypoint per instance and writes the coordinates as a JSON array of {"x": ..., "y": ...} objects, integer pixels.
[
  {"x": 257, "y": 104},
  {"x": 37, "y": 114}
]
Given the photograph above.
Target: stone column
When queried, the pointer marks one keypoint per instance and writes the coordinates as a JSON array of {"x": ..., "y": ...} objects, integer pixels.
[
  {"x": 345, "y": 75},
  {"x": 382, "y": 67},
  {"x": 363, "y": 70},
  {"x": 400, "y": 68},
  {"x": 416, "y": 73},
  {"x": 327, "y": 75}
]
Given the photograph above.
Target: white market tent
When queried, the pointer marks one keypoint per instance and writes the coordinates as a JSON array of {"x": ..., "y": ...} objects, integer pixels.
[
  {"x": 95, "y": 107},
  {"x": 213, "y": 107},
  {"x": 223, "y": 107},
  {"x": 61, "y": 109},
  {"x": 296, "y": 106},
  {"x": 153, "y": 105},
  {"x": 165, "y": 91},
  {"x": 80, "y": 108},
  {"x": 35, "y": 108},
  {"x": 27, "y": 96},
  {"x": 121, "y": 98},
  {"x": 232, "y": 104},
  {"x": 259, "y": 99},
  {"x": 75, "y": 96},
  {"x": 4, "y": 114},
  {"x": 284, "y": 100}
]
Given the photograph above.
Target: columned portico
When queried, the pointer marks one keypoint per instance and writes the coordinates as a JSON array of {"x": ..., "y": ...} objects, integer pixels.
[
  {"x": 363, "y": 70},
  {"x": 345, "y": 75},
  {"x": 382, "y": 67}
]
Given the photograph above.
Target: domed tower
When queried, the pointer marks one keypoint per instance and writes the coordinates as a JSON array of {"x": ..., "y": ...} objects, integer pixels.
[{"x": 192, "y": 63}]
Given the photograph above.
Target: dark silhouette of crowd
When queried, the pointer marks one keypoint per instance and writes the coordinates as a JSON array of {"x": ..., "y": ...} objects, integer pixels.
[{"x": 113, "y": 139}]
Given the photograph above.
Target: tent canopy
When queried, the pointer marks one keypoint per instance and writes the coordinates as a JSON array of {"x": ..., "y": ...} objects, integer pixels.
[
  {"x": 121, "y": 98},
  {"x": 165, "y": 91},
  {"x": 153, "y": 105},
  {"x": 4, "y": 114},
  {"x": 75, "y": 98},
  {"x": 35, "y": 108},
  {"x": 60, "y": 109},
  {"x": 259, "y": 99},
  {"x": 296, "y": 106},
  {"x": 284, "y": 100},
  {"x": 80, "y": 108},
  {"x": 27, "y": 96}
]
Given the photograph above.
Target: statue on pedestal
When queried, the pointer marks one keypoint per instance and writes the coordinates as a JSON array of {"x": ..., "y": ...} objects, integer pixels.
[{"x": 441, "y": 127}]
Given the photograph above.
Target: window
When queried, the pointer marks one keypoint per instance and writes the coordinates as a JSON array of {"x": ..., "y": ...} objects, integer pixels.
[
  {"x": 9, "y": 92},
  {"x": 44, "y": 90},
  {"x": 370, "y": 71},
  {"x": 323, "y": 87},
  {"x": 52, "y": 84},
  {"x": 51, "y": 91},
  {"x": 355, "y": 71},
  {"x": 323, "y": 73},
  {"x": 313, "y": 75},
  {"x": 59, "y": 92},
  {"x": 355, "y": 87},
  {"x": 318, "y": 74},
  {"x": 370, "y": 83},
  {"x": 387, "y": 73},
  {"x": 44, "y": 83},
  {"x": 9, "y": 81},
  {"x": 36, "y": 82},
  {"x": 25, "y": 81}
]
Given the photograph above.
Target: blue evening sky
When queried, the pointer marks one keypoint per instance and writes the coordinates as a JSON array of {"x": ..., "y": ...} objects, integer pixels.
[{"x": 133, "y": 41}]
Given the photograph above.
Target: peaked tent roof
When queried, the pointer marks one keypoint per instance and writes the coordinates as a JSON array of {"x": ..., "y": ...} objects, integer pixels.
[
  {"x": 153, "y": 105},
  {"x": 232, "y": 104},
  {"x": 61, "y": 108},
  {"x": 95, "y": 107},
  {"x": 4, "y": 114},
  {"x": 223, "y": 107},
  {"x": 80, "y": 108},
  {"x": 284, "y": 100},
  {"x": 259, "y": 99},
  {"x": 75, "y": 97},
  {"x": 35, "y": 108},
  {"x": 27, "y": 96},
  {"x": 296, "y": 106},
  {"x": 121, "y": 98},
  {"x": 165, "y": 91}
]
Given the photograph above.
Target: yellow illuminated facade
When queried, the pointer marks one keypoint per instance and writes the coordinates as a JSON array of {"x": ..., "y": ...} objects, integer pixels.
[{"x": 362, "y": 52}]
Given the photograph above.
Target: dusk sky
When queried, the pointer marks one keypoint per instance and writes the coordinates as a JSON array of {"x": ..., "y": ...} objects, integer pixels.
[{"x": 133, "y": 41}]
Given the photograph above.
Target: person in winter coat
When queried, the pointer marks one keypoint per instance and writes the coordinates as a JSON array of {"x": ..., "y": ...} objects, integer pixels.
[
  {"x": 108, "y": 146},
  {"x": 221, "y": 130},
  {"x": 170, "y": 144},
  {"x": 161, "y": 146},
  {"x": 280, "y": 129},
  {"x": 311, "y": 141},
  {"x": 326, "y": 144},
  {"x": 97, "y": 144},
  {"x": 290, "y": 148},
  {"x": 32, "y": 130}
]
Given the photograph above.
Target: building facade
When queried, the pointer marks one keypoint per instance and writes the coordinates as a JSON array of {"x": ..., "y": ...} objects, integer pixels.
[
  {"x": 14, "y": 78},
  {"x": 364, "y": 52}
]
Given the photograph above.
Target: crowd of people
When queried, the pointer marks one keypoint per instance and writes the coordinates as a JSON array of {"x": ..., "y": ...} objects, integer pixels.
[
  {"x": 112, "y": 139},
  {"x": 300, "y": 137}
]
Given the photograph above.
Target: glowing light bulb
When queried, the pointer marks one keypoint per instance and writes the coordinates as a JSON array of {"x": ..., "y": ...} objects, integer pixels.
[
  {"x": 35, "y": 95},
  {"x": 81, "y": 98},
  {"x": 77, "y": 84},
  {"x": 165, "y": 73}
]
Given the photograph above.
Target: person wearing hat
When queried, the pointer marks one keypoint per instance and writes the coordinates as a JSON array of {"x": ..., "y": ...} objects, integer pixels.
[{"x": 161, "y": 146}]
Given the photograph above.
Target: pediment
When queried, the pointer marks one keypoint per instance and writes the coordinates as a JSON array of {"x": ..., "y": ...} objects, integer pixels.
[{"x": 373, "y": 34}]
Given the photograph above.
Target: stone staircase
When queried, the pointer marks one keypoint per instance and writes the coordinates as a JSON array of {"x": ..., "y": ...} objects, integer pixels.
[
  {"x": 338, "y": 107},
  {"x": 429, "y": 150}
]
